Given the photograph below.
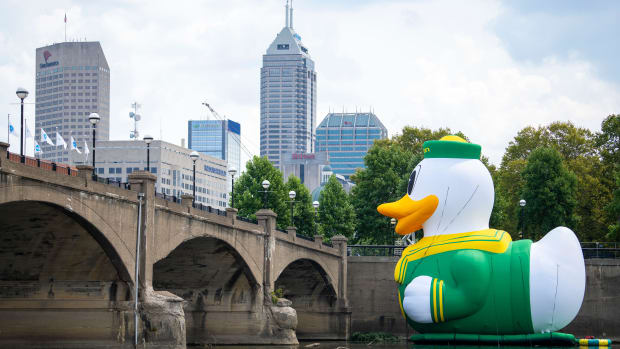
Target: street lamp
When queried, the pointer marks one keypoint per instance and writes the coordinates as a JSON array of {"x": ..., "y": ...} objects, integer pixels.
[
  {"x": 315, "y": 204},
  {"x": 265, "y": 185},
  {"x": 393, "y": 224},
  {"x": 292, "y": 194},
  {"x": 148, "y": 139},
  {"x": 522, "y": 205},
  {"x": 22, "y": 93},
  {"x": 232, "y": 172},
  {"x": 94, "y": 119},
  {"x": 194, "y": 155}
]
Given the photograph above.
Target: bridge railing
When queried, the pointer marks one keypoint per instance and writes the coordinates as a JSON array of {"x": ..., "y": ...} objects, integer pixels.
[
  {"x": 209, "y": 209},
  {"x": 110, "y": 181},
  {"x": 590, "y": 250},
  {"x": 43, "y": 164}
]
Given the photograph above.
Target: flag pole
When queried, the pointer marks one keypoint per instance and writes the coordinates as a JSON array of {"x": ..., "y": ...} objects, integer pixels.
[
  {"x": 65, "y": 26},
  {"x": 8, "y": 128}
]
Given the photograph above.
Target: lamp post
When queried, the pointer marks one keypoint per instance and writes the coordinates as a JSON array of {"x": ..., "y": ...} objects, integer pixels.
[
  {"x": 94, "y": 119},
  {"x": 315, "y": 204},
  {"x": 265, "y": 185},
  {"x": 194, "y": 155},
  {"x": 21, "y": 93},
  {"x": 292, "y": 194},
  {"x": 148, "y": 139},
  {"x": 521, "y": 223},
  {"x": 393, "y": 225},
  {"x": 232, "y": 172}
]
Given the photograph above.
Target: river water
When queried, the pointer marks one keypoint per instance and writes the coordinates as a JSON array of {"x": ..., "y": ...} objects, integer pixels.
[{"x": 356, "y": 345}]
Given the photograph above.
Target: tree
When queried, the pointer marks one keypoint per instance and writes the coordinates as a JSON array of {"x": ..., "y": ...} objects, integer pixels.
[
  {"x": 389, "y": 163},
  {"x": 336, "y": 214},
  {"x": 608, "y": 143},
  {"x": 550, "y": 191},
  {"x": 614, "y": 212},
  {"x": 248, "y": 191},
  {"x": 579, "y": 152},
  {"x": 304, "y": 218}
]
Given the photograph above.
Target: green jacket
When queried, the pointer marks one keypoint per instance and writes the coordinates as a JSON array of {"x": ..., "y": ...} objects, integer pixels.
[{"x": 473, "y": 290}]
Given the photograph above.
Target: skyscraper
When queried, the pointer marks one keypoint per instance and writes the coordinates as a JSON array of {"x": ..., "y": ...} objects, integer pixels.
[
  {"x": 288, "y": 96},
  {"x": 72, "y": 81},
  {"x": 346, "y": 137},
  {"x": 217, "y": 138}
]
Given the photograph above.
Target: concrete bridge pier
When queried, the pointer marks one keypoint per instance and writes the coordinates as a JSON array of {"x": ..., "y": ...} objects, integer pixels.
[{"x": 161, "y": 315}]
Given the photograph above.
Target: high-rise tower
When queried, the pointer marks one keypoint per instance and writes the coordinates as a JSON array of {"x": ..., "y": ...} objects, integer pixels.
[
  {"x": 288, "y": 96},
  {"x": 72, "y": 81}
]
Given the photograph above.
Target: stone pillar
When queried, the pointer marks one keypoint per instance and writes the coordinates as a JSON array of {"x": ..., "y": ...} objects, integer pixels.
[
  {"x": 340, "y": 243},
  {"x": 232, "y": 214},
  {"x": 318, "y": 240},
  {"x": 4, "y": 149},
  {"x": 292, "y": 232},
  {"x": 267, "y": 220},
  {"x": 186, "y": 201},
  {"x": 144, "y": 182},
  {"x": 86, "y": 172},
  {"x": 344, "y": 322}
]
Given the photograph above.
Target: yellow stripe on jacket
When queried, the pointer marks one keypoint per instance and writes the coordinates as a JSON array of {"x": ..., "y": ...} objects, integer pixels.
[{"x": 489, "y": 240}]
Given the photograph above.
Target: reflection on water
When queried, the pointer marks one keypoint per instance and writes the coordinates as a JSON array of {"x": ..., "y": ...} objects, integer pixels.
[{"x": 351, "y": 345}]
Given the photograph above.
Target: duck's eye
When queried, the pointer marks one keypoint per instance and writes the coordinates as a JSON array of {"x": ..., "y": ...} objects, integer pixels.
[{"x": 412, "y": 180}]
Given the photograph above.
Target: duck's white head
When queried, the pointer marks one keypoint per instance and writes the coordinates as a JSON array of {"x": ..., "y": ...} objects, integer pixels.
[{"x": 449, "y": 192}]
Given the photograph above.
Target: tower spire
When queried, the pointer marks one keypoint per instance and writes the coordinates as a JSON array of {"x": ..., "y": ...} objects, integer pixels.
[
  {"x": 291, "y": 16},
  {"x": 287, "y": 12}
]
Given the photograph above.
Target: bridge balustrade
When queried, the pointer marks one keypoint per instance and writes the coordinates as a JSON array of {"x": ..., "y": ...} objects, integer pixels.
[{"x": 590, "y": 250}]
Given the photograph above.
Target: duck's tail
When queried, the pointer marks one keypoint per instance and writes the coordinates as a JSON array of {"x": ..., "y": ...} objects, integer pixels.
[{"x": 557, "y": 280}]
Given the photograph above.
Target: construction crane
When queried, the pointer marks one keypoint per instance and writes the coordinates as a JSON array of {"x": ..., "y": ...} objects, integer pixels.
[{"x": 219, "y": 117}]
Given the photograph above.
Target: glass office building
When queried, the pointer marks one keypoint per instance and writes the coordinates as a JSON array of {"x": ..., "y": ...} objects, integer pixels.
[
  {"x": 346, "y": 137},
  {"x": 218, "y": 138},
  {"x": 288, "y": 97}
]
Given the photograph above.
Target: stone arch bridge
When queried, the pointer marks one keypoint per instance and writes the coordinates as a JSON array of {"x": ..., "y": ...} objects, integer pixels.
[{"x": 68, "y": 259}]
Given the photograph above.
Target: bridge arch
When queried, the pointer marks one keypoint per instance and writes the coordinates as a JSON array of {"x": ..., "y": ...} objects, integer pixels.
[
  {"x": 219, "y": 288},
  {"x": 312, "y": 291},
  {"x": 52, "y": 258},
  {"x": 80, "y": 207}
]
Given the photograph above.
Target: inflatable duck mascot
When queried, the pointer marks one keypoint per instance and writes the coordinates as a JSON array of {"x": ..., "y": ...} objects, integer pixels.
[{"x": 464, "y": 281}]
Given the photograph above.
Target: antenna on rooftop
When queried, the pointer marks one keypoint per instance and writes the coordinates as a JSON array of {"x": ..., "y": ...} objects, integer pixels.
[
  {"x": 291, "y": 19},
  {"x": 136, "y": 117},
  {"x": 287, "y": 13}
]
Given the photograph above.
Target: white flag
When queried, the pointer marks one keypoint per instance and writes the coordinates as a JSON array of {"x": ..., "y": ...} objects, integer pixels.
[
  {"x": 60, "y": 140},
  {"x": 37, "y": 148},
  {"x": 13, "y": 130},
  {"x": 86, "y": 151},
  {"x": 28, "y": 134},
  {"x": 45, "y": 138},
  {"x": 74, "y": 145}
]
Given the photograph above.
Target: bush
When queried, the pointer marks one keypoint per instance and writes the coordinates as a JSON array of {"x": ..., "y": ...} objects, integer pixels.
[{"x": 373, "y": 337}]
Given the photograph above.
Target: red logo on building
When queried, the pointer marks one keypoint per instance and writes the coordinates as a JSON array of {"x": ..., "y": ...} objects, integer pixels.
[
  {"x": 302, "y": 156},
  {"x": 46, "y": 55}
]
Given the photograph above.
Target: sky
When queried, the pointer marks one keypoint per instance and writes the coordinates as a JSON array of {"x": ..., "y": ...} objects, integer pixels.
[{"x": 486, "y": 68}]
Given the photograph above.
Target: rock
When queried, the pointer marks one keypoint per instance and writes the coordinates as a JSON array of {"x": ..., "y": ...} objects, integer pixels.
[
  {"x": 283, "y": 302},
  {"x": 286, "y": 317},
  {"x": 163, "y": 319},
  {"x": 312, "y": 345},
  {"x": 342, "y": 348}
]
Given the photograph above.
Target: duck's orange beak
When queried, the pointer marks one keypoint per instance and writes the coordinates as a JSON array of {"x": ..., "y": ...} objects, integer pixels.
[{"x": 411, "y": 214}]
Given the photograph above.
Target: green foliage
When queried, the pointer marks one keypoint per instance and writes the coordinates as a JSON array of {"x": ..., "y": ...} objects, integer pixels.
[
  {"x": 373, "y": 337},
  {"x": 550, "y": 191},
  {"x": 304, "y": 218},
  {"x": 276, "y": 295},
  {"x": 579, "y": 150},
  {"x": 614, "y": 211},
  {"x": 336, "y": 214},
  {"x": 389, "y": 163},
  {"x": 248, "y": 191}
]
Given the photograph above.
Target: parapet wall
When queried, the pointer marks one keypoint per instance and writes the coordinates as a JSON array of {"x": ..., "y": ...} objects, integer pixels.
[{"x": 373, "y": 299}]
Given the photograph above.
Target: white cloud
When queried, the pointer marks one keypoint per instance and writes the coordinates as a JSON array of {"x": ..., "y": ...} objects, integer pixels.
[{"x": 433, "y": 64}]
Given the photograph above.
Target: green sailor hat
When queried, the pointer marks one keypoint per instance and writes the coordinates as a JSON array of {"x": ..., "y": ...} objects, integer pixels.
[{"x": 453, "y": 147}]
